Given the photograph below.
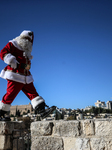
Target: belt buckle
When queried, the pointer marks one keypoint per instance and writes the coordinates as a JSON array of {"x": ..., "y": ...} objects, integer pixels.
[{"x": 27, "y": 67}]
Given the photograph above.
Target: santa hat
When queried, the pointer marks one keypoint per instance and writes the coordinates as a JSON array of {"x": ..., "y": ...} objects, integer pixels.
[{"x": 28, "y": 34}]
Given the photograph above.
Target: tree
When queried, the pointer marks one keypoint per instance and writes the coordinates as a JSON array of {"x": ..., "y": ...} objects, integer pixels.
[
  {"x": 98, "y": 110},
  {"x": 72, "y": 117},
  {"x": 24, "y": 113},
  {"x": 56, "y": 115},
  {"x": 11, "y": 115},
  {"x": 28, "y": 111},
  {"x": 17, "y": 112}
]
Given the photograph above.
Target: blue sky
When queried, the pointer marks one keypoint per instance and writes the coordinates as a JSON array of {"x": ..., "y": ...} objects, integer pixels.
[{"x": 72, "y": 64}]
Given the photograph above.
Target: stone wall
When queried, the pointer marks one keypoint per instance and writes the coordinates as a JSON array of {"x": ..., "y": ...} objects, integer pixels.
[
  {"x": 59, "y": 135},
  {"x": 8, "y": 135},
  {"x": 72, "y": 135}
]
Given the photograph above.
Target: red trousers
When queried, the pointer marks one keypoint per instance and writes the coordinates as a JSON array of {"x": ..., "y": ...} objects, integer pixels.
[{"x": 13, "y": 88}]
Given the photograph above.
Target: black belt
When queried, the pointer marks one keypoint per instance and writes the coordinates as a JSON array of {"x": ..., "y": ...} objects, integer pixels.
[{"x": 23, "y": 66}]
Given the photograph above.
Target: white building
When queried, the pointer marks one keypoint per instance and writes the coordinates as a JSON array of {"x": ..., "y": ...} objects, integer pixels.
[
  {"x": 100, "y": 104},
  {"x": 88, "y": 108},
  {"x": 109, "y": 105}
]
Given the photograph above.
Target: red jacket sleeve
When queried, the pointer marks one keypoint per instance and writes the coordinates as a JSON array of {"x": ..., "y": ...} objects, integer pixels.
[{"x": 7, "y": 49}]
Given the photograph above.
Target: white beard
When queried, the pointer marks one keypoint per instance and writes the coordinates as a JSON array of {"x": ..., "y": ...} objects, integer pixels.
[{"x": 25, "y": 45}]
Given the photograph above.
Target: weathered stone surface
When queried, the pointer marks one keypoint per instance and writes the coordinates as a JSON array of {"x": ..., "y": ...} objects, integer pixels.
[
  {"x": 18, "y": 143},
  {"x": 6, "y": 127},
  {"x": 82, "y": 144},
  {"x": 103, "y": 128},
  {"x": 101, "y": 143},
  {"x": 69, "y": 143},
  {"x": 18, "y": 126},
  {"x": 66, "y": 128},
  {"x": 47, "y": 143},
  {"x": 60, "y": 135},
  {"x": 7, "y": 132},
  {"x": 41, "y": 128},
  {"x": 88, "y": 127},
  {"x": 87, "y": 143},
  {"x": 5, "y": 142}
]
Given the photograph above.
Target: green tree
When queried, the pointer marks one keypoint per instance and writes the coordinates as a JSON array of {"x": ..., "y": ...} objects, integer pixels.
[
  {"x": 28, "y": 111},
  {"x": 98, "y": 110},
  {"x": 72, "y": 117},
  {"x": 17, "y": 112},
  {"x": 56, "y": 115},
  {"x": 24, "y": 113}
]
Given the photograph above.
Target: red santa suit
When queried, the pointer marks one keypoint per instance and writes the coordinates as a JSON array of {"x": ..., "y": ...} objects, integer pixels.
[{"x": 17, "y": 71}]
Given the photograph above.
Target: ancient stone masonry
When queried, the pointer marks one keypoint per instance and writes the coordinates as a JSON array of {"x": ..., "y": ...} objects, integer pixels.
[
  {"x": 59, "y": 135},
  {"x": 8, "y": 133},
  {"x": 72, "y": 135}
]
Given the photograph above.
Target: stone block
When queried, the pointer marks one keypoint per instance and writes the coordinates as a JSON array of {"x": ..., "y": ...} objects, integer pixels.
[
  {"x": 88, "y": 127},
  {"x": 101, "y": 143},
  {"x": 82, "y": 144},
  {"x": 47, "y": 143},
  {"x": 41, "y": 128},
  {"x": 66, "y": 128},
  {"x": 5, "y": 142},
  {"x": 19, "y": 129},
  {"x": 103, "y": 128},
  {"x": 6, "y": 127},
  {"x": 69, "y": 143},
  {"x": 18, "y": 144},
  {"x": 72, "y": 135}
]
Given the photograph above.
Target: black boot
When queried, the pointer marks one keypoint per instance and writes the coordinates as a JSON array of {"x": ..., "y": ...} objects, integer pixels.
[
  {"x": 47, "y": 112},
  {"x": 4, "y": 116},
  {"x": 40, "y": 109}
]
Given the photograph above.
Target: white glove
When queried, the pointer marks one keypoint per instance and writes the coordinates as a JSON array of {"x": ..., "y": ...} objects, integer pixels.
[{"x": 14, "y": 63}]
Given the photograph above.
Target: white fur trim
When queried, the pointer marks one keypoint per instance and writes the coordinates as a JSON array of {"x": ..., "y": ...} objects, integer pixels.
[
  {"x": 36, "y": 101},
  {"x": 25, "y": 34},
  {"x": 5, "y": 107},
  {"x": 8, "y": 58},
  {"x": 26, "y": 53},
  {"x": 14, "y": 42},
  {"x": 16, "y": 77},
  {"x": 29, "y": 79}
]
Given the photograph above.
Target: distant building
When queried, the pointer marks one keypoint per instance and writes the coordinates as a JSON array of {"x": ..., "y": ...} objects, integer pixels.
[
  {"x": 109, "y": 105},
  {"x": 100, "y": 104},
  {"x": 88, "y": 108},
  {"x": 22, "y": 109}
]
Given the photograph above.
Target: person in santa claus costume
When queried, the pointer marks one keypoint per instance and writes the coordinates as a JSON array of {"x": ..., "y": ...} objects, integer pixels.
[{"x": 17, "y": 54}]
